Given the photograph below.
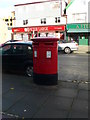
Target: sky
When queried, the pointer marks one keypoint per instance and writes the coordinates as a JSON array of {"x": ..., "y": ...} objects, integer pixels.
[{"x": 6, "y": 6}]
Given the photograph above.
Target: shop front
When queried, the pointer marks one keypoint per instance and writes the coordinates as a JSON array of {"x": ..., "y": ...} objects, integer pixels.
[
  {"x": 79, "y": 33},
  {"x": 27, "y": 33}
]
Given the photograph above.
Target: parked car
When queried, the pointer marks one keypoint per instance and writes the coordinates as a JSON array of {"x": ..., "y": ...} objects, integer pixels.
[
  {"x": 8, "y": 41},
  {"x": 67, "y": 47},
  {"x": 17, "y": 56}
]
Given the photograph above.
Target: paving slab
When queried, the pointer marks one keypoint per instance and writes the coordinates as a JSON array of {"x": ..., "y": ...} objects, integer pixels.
[
  {"x": 68, "y": 84},
  {"x": 0, "y": 116},
  {"x": 28, "y": 100},
  {"x": 80, "y": 105},
  {"x": 27, "y": 106},
  {"x": 83, "y": 95},
  {"x": 66, "y": 92},
  {"x": 78, "y": 114},
  {"x": 49, "y": 113},
  {"x": 83, "y": 86},
  {"x": 10, "y": 99},
  {"x": 55, "y": 107}
]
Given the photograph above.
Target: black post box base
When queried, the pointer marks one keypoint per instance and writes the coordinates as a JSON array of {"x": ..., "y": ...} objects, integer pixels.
[{"x": 45, "y": 79}]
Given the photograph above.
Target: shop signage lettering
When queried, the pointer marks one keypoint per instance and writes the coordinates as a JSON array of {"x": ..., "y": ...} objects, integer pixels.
[
  {"x": 38, "y": 29},
  {"x": 78, "y": 26},
  {"x": 43, "y": 29},
  {"x": 82, "y": 26},
  {"x": 26, "y": 29}
]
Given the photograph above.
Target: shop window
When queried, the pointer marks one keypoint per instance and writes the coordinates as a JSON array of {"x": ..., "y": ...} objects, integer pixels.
[
  {"x": 22, "y": 36},
  {"x": 46, "y": 34},
  {"x": 38, "y": 34},
  {"x": 6, "y": 20},
  {"x": 56, "y": 31},
  {"x": 81, "y": 36},
  {"x": 10, "y": 24},
  {"x": 29, "y": 36},
  {"x": 35, "y": 34},
  {"x": 86, "y": 36},
  {"x": 25, "y": 22},
  {"x": 11, "y": 19},
  {"x": 43, "y": 21},
  {"x": 6, "y": 49},
  {"x": 57, "y": 19}
]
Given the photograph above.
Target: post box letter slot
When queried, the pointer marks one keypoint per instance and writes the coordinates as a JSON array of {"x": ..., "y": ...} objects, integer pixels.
[
  {"x": 36, "y": 43},
  {"x": 35, "y": 54},
  {"x": 48, "y": 54},
  {"x": 49, "y": 43}
]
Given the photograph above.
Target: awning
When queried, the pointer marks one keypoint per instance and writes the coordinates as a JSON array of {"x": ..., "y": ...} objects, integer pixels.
[{"x": 78, "y": 30}]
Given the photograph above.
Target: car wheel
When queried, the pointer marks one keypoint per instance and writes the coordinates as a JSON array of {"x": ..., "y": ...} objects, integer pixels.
[
  {"x": 29, "y": 71},
  {"x": 67, "y": 50}
]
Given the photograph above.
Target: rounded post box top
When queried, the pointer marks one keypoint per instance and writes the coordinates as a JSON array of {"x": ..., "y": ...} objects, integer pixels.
[{"x": 45, "y": 39}]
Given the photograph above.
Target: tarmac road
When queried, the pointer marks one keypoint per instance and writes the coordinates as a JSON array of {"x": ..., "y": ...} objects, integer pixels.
[{"x": 73, "y": 67}]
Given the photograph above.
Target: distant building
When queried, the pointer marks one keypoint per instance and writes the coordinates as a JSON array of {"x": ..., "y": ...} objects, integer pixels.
[
  {"x": 9, "y": 20},
  {"x": 6, "y": 25},
  {"x": 5, "y": 34},
  {"x": 78, "y": 26},
  {"x": 37, "y": 18}
]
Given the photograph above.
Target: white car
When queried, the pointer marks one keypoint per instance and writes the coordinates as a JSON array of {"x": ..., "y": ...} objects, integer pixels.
[{"x": 67, "y": 47}]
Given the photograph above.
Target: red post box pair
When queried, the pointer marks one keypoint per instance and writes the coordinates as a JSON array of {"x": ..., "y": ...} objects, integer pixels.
[{"x": 45, "y": 61}]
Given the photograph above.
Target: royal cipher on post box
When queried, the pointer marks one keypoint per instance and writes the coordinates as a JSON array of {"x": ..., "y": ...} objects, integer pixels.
[{"x": 45, "y": 60}]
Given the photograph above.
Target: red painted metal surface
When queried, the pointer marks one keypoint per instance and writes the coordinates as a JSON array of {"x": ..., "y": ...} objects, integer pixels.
[{"x": 45, "y": 56}]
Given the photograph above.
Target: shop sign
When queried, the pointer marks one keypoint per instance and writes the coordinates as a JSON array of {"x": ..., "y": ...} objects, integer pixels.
[
  {"x": 78, "y": 26},
  {"x": 39, "y": 29}
]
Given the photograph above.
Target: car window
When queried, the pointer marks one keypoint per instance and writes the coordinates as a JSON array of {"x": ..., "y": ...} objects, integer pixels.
[
  {"x": 18, "y": 49},
  {"x": 6, "y": 49},
  {"x": 0, "y": 50},
  {"x": 29, "y": 49},
  {"x": 59, "y": 41},
  {"x": 64, "y": 41}
]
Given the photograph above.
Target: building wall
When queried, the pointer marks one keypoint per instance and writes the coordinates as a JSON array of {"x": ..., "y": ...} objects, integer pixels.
[
  {"x": 78, "y": 12},
  {"x": 36, "y": 12},
  {"x": 5, "y": 34},
  {"x": 77, "y": 19},
  {"x": 45, "y": 13},
  {"x": 9, "y": 20},
  {"x": 37, "y": 22}
]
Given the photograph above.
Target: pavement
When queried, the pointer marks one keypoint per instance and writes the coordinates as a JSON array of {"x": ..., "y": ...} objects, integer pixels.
[
  {"x": 83, "y": 49},
  {"x": 64, "y": 100}
]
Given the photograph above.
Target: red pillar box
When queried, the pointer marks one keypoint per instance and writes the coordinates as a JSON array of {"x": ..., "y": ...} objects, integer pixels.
[{"x": 45, "y": 61}]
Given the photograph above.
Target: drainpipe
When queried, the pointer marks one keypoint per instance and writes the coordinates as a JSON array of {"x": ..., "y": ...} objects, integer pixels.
[
  {"x": 65, "y": 17},
  {"x": 61, "y": 7}
]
